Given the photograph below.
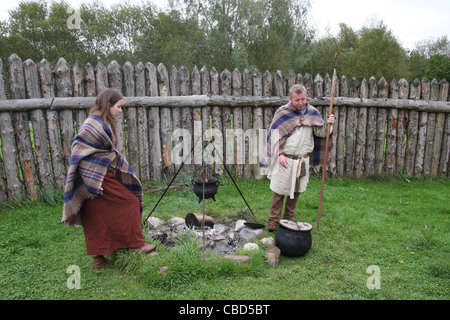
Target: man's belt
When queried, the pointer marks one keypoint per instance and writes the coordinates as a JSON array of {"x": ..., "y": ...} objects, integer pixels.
[{"x": 295, "y": 157}]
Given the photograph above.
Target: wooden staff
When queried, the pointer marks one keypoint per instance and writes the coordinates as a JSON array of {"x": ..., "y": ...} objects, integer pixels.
[{"x": 325, "y": 162}]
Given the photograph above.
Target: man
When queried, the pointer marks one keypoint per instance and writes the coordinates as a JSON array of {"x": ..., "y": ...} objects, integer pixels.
[{"x": 293, "y": 135}]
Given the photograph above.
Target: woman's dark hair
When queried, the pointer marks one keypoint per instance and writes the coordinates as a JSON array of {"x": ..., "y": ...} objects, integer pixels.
[{"x": 104, "y": 101}]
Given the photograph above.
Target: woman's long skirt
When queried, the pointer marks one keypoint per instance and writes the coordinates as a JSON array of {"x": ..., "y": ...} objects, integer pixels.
[{"x": 112, "y": 221}]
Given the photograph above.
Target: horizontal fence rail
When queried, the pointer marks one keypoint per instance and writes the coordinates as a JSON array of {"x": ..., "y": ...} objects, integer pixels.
[
  {"x": 208, "y": 101},
  {"x": 380, "y": 128}
]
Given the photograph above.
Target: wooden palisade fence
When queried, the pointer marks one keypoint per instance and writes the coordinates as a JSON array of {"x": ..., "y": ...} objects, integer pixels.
[{"x": 381, "y": 127}]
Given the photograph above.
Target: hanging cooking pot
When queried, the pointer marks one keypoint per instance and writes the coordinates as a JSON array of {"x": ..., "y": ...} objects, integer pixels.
[
  {"x": 211, "y": 185},
  {"x": 293, "y": 238}
]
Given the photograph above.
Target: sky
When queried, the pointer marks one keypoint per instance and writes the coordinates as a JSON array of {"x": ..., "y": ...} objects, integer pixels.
[{"x": 410, "y": 21}]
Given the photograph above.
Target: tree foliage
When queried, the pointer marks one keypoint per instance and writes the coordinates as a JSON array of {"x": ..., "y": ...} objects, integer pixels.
[
  {"x": 172, "y": 40},
  {"x": 34, "y": 31},
  {"x": 431, "y": 59},
  {"x": 372, "y": 51},
  {"x": 262, "y": 34},
  {"x": 268, "y": 35}
]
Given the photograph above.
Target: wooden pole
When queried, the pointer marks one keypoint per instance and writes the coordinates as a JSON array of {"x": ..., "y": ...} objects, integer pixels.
[{"x": 325, "y": 162}]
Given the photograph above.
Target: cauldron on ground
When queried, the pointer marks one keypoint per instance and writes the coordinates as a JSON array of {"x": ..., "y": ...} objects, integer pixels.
[
  {"x": 211, "y": 185},
  {"x": 293, "y": 238},
  {"x": 198, "y": 220}
]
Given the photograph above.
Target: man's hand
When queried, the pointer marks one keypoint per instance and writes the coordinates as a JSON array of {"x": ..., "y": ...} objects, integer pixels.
[
  {"x": 282, "y": 160},
  {"x": 330, "y": 119}
]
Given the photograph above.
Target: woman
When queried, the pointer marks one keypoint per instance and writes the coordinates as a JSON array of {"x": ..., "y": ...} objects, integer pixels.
[{"x": 102, "y": 193}]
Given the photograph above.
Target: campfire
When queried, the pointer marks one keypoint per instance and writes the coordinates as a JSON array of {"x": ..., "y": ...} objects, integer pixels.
[{"x": 218, "y": 238}]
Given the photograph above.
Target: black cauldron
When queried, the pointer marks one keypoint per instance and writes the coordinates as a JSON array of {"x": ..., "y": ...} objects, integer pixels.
[
  {"x": 293, "y": 238},
  {"x": 211, "y": 185}
]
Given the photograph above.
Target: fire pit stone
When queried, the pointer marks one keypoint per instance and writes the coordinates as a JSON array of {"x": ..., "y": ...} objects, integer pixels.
[{"x": 155, "y": 222}]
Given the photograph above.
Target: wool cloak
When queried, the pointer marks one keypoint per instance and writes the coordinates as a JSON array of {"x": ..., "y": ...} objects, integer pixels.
[
  {"x": 93, "y": 153},
  {"x": 286, "y": 119}
]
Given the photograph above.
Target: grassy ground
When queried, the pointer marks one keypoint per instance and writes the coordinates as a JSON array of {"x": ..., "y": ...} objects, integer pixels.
[{"x": 400, "y": 226}]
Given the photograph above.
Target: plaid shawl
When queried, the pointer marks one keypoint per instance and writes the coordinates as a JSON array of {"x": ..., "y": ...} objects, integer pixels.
[
  {"x": 92, "y": 154},
  {"x": 286, "y": 119}
]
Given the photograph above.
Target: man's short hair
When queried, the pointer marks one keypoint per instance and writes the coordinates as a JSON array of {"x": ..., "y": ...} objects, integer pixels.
[{"x": 297, "y": 88}]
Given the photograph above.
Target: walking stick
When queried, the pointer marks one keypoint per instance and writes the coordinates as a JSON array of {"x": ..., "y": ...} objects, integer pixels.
[{"x": 325, "y": 162}]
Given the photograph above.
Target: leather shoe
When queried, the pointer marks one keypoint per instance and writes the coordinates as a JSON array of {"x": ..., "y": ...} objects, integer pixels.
[
  {"x": 100, "y": 261},
  {"x": 272, "y": 226},
  {"x": 146, "y": 248}
]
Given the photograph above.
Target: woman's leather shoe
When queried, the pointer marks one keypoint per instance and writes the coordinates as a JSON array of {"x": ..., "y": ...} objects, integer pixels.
[
  {"x": 100, "y": 261},
  {"x": 146, "y": 248}
]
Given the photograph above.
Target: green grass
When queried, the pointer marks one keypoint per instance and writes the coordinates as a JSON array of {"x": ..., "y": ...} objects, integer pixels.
[{"x": 399, "y": 225}]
